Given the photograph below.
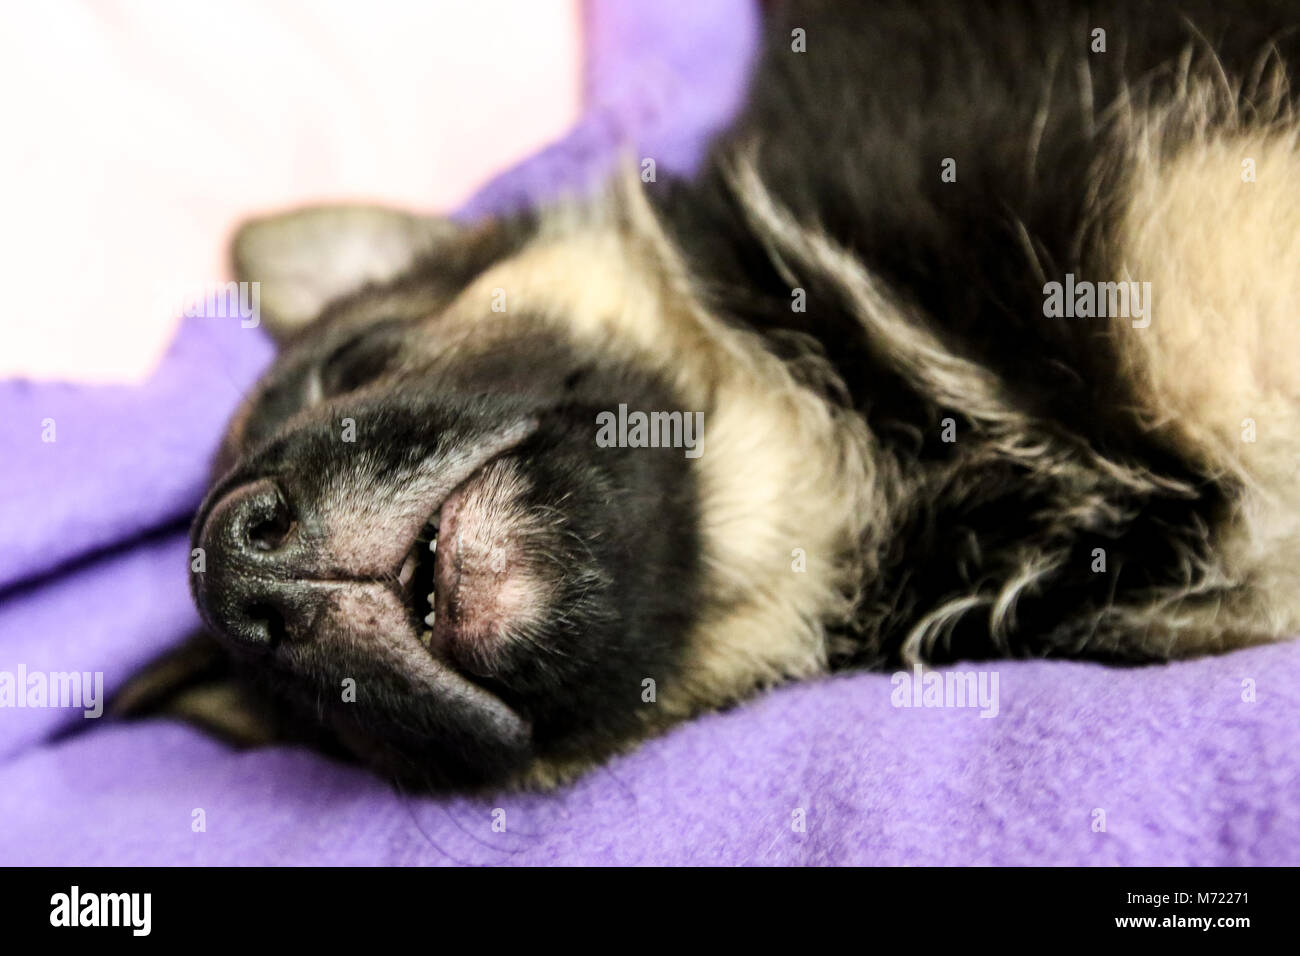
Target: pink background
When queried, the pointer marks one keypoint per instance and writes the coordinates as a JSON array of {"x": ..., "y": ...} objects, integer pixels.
[{"x": 139, "y": 132}]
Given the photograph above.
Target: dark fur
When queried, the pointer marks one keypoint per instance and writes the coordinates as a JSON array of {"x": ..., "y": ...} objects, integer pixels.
[{"x": 850, "y": 135}]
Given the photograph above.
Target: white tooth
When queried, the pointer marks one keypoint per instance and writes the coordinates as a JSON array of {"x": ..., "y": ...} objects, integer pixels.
[
  {"x": 433, "y": 599},
  {"x": 430, "y": 618},
  {"x": 408, "y": 570},
  {"x": 433, "y": 544}
]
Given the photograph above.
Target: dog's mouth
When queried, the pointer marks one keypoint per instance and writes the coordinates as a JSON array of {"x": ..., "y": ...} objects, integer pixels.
[
  {"x": 465, "y": 579},
  {"x": 417, "y": 578}
]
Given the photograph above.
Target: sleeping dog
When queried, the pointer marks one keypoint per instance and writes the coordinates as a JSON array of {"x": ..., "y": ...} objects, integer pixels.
[{"x": 977, "y": 335}]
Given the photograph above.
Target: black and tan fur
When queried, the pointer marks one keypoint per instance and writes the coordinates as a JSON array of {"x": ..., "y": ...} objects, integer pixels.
[{"x": 945, "y": 460}]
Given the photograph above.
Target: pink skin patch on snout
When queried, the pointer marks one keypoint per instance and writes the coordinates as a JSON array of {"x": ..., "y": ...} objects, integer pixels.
[{"x": 485, "y": 585}]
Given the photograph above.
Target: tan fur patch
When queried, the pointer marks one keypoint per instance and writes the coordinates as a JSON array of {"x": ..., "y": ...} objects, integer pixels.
[{"x": 1219, "y": 365}]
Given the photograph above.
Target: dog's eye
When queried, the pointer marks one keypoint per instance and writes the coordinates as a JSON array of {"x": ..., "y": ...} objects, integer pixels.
[{"x": 360, "y": 359}]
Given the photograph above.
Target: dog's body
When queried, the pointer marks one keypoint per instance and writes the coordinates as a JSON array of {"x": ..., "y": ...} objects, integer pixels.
[{"x": 991, "y": 323}]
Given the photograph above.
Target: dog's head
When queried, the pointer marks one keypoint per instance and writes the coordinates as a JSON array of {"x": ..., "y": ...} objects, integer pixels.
[
  {"x": 510, "y": 497},
  {"x": 415, "y": 522}
]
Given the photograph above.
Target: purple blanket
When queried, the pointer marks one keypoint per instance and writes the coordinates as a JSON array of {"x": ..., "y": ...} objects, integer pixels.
[{"x": 1194, "y": 763}]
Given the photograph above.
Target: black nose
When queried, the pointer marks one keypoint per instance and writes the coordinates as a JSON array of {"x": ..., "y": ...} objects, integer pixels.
[{"x": 249, "y": 587}]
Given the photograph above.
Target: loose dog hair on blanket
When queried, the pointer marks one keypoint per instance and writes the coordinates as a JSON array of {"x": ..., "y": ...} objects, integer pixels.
[{"x": 986, "y": 314}]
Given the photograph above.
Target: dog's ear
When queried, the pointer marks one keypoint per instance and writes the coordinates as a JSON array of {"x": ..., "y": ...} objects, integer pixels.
[
  {"x": 305, "y": 258},
  {"x": 198, "y": 683},
  {"x": 195, "y": 682}
]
